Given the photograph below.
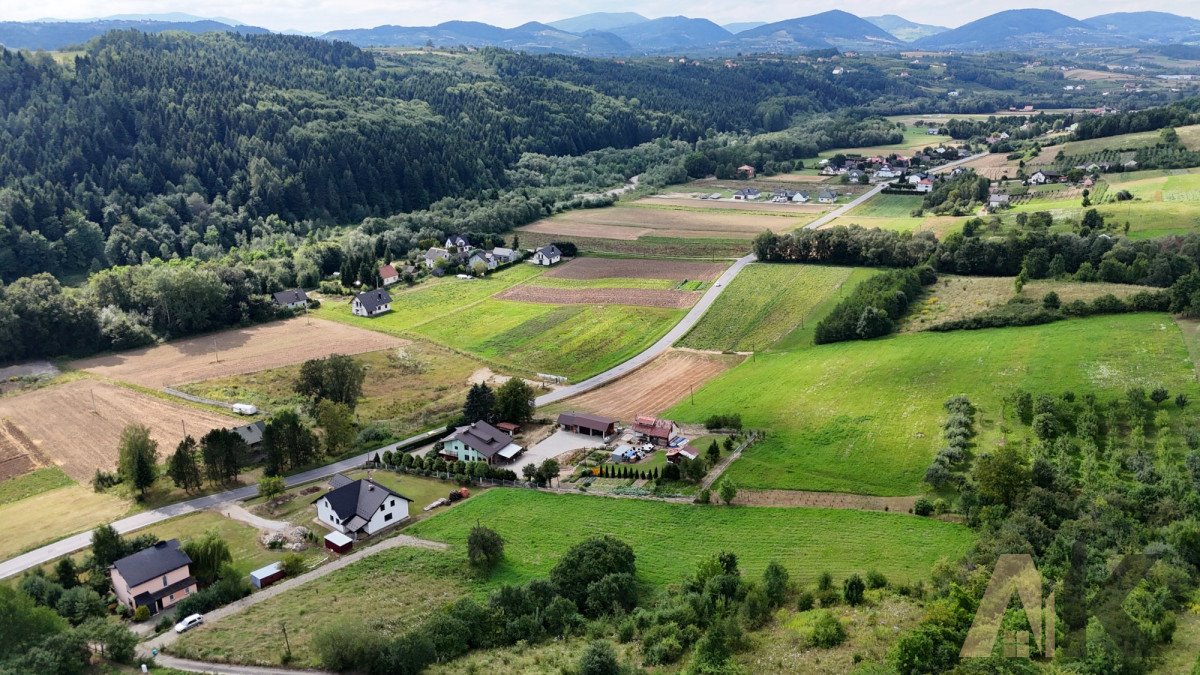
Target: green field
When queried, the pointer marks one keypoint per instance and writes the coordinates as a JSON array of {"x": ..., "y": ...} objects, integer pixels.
[
  {"x": 887, "y": 206},
  {"x": 431, "y": 299},
  {"x": 575, "y": 341},
  {"x": 35, "y": 482},
  {"x": 670, "y": 539},
  {"x": 863, "y": 417},
  {"x": 392, "y": 590},
  {"x": 763, "y": 304}
]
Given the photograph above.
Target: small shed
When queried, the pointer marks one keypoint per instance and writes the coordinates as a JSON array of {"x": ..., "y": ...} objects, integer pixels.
[
  {"x": 509, "y": 427},
  {"x": 338, "y": 542},
  {"x": 263, "y": 577}
]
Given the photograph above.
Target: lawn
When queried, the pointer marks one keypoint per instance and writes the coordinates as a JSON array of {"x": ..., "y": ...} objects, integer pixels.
[
  {"x": 407, "y": 389},
  {"x": 939, "y": 225},
  {"x": 392, "y": 590},
  {"x": 763, "y": 304},
  {"x": 669, "y": 540},
  {"x": 422, "y": 491},
  {"x": 248, "y": 554},
  {"x": 54, "y": 514},
  {"x": 33, "y": 483},
  {"x": 863, "y": 417}
]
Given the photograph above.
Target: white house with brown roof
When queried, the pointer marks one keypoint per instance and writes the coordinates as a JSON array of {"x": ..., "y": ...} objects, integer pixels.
[
  {"x": 389, "y": 274},
  {"x": 156, "y": 577}
]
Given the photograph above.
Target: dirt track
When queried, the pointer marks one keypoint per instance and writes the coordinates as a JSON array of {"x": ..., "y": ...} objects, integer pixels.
[
  {"x": 233, "y": 352},
  {"x": 60, "y": 422},
  {"x": 827, "y": 500},
  {"x": 637, "y": 268},
  {"x": 641, "y": 297},
  {"x": 656, "y": 386}
]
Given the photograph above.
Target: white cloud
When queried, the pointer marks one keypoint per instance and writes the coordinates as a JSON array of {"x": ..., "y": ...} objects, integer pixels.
[{"x": 322, "y": 15}]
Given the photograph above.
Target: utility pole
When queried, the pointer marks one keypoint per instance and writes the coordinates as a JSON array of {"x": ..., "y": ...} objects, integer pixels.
[
  {"x": 287, "y": 645},
  {"x": 93, "y": 392}
]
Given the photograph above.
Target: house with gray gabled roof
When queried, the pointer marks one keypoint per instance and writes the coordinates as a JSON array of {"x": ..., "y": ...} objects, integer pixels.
[
  {"x": 295, "y": 298},
  {"x": 457, "y": 241},
  {"x": 361, "y": 508},
  {"x": 480, "y": 442},
  {"x": 371, "y": 303},
  {"x": 251, "y": 433},
  {"x": 155, "y": 578},
  {"x": 546, "y": 256}
]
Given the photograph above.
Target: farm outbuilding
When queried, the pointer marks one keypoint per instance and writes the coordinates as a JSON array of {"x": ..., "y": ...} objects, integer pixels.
[
  {"x": 338, "y": 542},
  {"x": 588, "y": 425},
  {"x": 265, "y": 576}
]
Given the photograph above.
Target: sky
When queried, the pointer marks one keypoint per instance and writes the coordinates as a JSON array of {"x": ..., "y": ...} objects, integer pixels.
[{"x": 324, "y": 15}]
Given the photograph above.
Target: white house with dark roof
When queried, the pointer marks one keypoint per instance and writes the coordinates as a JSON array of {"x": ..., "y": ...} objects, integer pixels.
[
  {"x": 457, "y": 241},
  {"x": 156, "y": 577},
  {"x": 546, "y": 256},
  {"x": 480, "y": 442},
  {"x": 361, "y": 508},
  {"x": 295, "y": 298},
  {"x": 371, "y": 303}
]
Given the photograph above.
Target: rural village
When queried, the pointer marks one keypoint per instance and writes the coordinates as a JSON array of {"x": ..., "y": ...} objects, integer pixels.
[{"x": 737, "y": 404}]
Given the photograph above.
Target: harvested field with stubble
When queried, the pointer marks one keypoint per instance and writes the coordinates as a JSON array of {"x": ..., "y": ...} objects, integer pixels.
[
  {"x": 654, "y": 387},
  {"x": 642, "y": 297},
  {"x": 65, "y": 431},
  {"x": 637, "y": 268},
  {"x": 632, "y": 222},
  {"x": 235, "y": 352},
  {"x": 686, "y": 202}
]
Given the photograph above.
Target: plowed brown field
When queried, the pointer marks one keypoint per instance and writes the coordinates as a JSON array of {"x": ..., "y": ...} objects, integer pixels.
[
  {"x": 655, "y": 387},
  {"x": 65, "y": 430},
  {"x": 234, "y": 352},
  {"x": 637, "y": 268},
  {"x": 17, "y": 453},
  {"x": 643, "y": 297}
]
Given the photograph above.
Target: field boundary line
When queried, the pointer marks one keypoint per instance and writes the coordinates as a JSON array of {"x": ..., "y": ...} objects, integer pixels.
[{"x": 196, "y": 399}]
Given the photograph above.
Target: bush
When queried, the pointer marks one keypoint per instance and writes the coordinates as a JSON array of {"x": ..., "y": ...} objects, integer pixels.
[
  {"x": 346, "y": 644},
  {"x": 223, "y": 592},
  {"x": 589, "y": 561},
  {"x": 599, "y": 659},
  {"x": 805, "y": 602},
  {"x": 292, "y": 564},
  {"x": 142, "y": 613},
  {"x": 724, "y": 421},
  {"x": 827, "y": 631},
  {"x": 852, "y": 590},
  {"x": 485, "y": 548},
  {"x": 875, "y": 579},
  {"x": 923, "y": 507},
  {"x": 79, "y": 604}
]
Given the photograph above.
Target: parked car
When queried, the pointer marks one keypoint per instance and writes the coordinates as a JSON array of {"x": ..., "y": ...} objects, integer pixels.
[{"x": 189, "y": 623}]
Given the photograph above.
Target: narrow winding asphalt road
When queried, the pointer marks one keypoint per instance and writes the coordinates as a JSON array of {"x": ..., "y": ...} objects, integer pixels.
[{"x": 40, "y": 556}]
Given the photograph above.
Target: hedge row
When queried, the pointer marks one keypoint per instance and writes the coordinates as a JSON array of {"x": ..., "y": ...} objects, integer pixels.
[
  {"x": 1025, "y": 312},
  {"x": 873, "y": 307}
]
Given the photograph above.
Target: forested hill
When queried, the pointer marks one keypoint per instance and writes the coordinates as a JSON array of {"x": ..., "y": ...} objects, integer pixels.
[{"x": 157, "y": 146}]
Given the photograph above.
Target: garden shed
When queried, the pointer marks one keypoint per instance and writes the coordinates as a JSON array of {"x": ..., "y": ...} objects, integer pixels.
[
  {"x": 265, "y": 576},
  {"x": 338, "y": 542}
]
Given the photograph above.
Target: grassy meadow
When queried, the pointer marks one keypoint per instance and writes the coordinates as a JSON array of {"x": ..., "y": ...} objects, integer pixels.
[
  {"x": 864, "y": 417},
  {"x": 575, "y": 341},
  {"x": 763, "y": 304},
  {"x": 671, "y": 539}
]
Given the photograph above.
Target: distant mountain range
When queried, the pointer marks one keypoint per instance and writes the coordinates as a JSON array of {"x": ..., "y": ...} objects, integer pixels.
[
  {"x": 57, "y": 35},
  {"x": 903, "y": 28},
  {"x": 630, "y": 33}
]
